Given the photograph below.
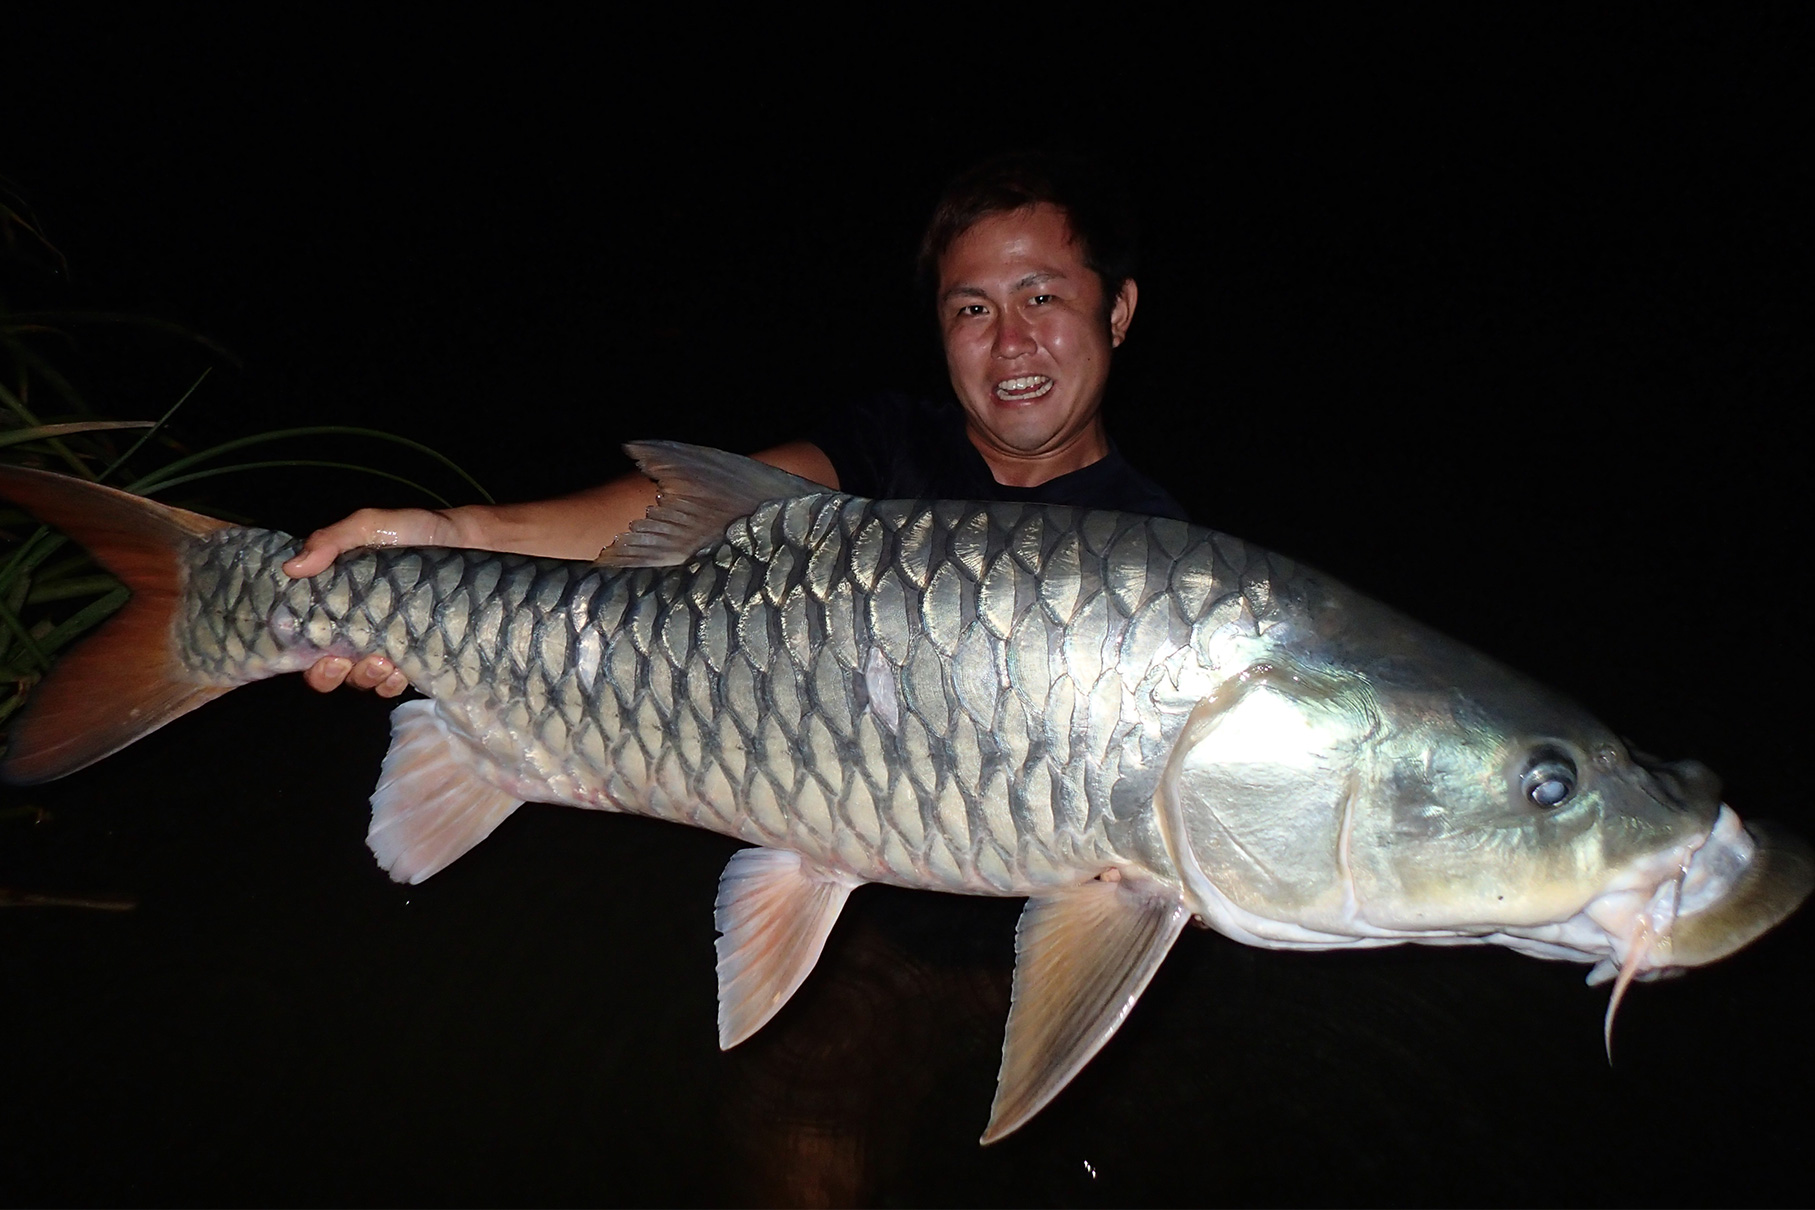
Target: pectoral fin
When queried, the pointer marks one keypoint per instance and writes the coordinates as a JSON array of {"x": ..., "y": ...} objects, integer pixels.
[
  {"x": 773, "y": 913},
  {"x": 431, "y": 804},
  {"x": 1082, "y": 958}
]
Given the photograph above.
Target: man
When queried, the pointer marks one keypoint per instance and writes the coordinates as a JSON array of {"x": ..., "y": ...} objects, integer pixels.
[{"x": 1031, "y": 264}]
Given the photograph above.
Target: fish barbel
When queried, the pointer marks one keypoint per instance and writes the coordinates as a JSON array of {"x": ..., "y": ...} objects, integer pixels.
[{"x": 1134, "y": 723}]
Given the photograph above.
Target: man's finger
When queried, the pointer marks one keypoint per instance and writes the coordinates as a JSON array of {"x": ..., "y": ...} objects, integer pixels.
[
  {"x": 325, "y": 676},
  {"x": 311, "y": 560},
  {"x": 372, "y": 672}
]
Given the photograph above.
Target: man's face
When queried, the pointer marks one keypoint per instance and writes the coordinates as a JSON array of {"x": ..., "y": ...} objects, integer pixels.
[{"x": 1027, "y": 339}]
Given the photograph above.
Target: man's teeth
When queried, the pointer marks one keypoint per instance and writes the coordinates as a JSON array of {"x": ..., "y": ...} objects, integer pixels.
[{"x": 1031, "y": 387}]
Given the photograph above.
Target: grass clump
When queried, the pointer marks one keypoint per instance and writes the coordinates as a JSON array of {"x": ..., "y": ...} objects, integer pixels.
[{"x": 51, "y": 592}]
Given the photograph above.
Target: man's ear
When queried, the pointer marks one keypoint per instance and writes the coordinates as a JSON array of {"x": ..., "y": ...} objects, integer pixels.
[{"x": 1122, "y": 313}]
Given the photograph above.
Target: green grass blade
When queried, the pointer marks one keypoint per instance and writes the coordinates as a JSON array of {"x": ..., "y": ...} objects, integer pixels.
[
  {"x": 11, "y": 704},
  {"x": 85, "y": 618},
  {"x": 49, "y": 373},
  {"x": 14, "y": 210},
  {"x": 62, "y": 590},
  {"x": 79, "y": 561},
  {"x": 17, "y": 577},
  {"x": 18, "y": 408},
  {"x": 117, "y": 463},
  {"x": 13, "y": 623},
  {"x": 44, "y": 432},
  {"x": 160, "y": 477},
  {"x": 145, "y": 487},
  {"x": 148, "y": 322}
]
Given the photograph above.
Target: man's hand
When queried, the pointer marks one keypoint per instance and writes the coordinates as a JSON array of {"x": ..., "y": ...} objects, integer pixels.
[
  {"x": 367, "y": 527},
  {"x": 373, "y": 672},
  {"x": 570, "y": 527}
]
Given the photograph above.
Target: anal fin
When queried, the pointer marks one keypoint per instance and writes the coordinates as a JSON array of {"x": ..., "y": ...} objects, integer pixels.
[
  {"x": 431, "y": 804},
  {"x": 773, "y": 913},
  {"x": 1082, "y": 958}
]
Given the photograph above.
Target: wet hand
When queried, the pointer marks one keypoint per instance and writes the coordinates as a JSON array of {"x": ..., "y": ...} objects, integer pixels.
[
  {"x": 367, "y": 527},
  {"x": 374, "y": 672}
]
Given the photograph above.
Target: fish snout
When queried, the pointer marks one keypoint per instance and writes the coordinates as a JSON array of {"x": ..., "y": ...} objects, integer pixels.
[
  {"x": 1692, "y": 784},
  {"x": 1744, "y": 880}
]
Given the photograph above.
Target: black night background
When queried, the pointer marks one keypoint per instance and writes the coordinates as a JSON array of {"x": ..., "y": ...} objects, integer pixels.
[{"x": 1501, "y": 319}]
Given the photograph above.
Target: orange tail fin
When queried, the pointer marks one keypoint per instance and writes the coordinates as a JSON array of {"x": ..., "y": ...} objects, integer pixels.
[{"x": 124, "y": 681}]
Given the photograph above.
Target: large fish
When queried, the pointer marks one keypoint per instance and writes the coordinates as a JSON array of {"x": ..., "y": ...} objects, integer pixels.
[{"x": 1132, "y": 722}]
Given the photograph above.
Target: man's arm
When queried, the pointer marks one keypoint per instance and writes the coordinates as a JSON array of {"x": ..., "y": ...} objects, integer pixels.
[{"x": 569, "y": 527}]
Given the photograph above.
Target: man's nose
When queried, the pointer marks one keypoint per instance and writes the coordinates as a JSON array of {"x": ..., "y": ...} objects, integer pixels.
[{"x": 1014, "y": 337}]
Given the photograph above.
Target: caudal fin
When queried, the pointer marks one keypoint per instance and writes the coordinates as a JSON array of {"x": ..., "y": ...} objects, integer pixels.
[{"x": 124, "y": 681}]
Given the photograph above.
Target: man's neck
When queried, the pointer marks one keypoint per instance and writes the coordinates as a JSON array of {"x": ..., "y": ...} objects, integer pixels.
[{"x": 1012, "y": 468}]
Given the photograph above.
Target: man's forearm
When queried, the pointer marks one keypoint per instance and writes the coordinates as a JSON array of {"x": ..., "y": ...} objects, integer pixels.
[
  {"x": 581, "y": 525},
  {"x": 570, "y": 527}
]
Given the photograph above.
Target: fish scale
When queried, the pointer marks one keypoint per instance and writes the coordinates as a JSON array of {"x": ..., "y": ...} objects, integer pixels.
[
  {"x": 1131, "y": 721},
  {"x": 521, "y": 625}
]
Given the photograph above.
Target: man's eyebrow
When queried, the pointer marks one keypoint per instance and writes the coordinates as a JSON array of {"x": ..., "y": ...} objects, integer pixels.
[{"x": 1039, "y": 278}]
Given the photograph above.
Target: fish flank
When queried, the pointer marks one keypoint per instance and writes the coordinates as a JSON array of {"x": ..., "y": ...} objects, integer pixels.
[{"x": 946, "y": 695}]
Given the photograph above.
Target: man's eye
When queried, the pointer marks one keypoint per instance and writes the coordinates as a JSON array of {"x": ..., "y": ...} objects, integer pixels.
[
  {"x": 971, "y": 309},
  {"x": 1040, "y": 300}
]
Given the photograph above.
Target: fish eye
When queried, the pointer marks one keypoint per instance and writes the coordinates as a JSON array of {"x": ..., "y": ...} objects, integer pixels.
[{"x": 1550, "y": 780}]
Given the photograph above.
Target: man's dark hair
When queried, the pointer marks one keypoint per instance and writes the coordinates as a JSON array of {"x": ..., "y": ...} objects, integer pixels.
[{"x": 1097, "y": 209}]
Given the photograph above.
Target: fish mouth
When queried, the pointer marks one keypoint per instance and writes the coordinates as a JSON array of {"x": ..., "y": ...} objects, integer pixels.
[
  {"x": 1729, "y": 889},
  {"x": 1731, "y": 894},
  {"x": 1711, "y": 898}
]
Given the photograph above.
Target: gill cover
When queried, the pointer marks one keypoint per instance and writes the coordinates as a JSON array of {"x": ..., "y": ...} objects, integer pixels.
[{"x": 1255, "y": 801}]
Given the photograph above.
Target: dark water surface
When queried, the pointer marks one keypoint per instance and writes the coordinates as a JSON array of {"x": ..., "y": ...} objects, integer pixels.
[{"x": 1498, "y": 320}]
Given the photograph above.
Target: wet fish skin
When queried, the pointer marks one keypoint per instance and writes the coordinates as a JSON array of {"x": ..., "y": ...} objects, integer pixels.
[
  {"x": 1133, "y": 722},
  {"x": 880, "y": 685}
]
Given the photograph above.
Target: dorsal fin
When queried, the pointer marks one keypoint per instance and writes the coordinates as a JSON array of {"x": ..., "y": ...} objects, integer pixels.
[{"x": 700, "y": 492}]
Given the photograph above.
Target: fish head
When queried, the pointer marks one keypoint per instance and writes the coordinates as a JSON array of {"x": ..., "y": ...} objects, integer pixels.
[{"x": 1492, "y": 809}]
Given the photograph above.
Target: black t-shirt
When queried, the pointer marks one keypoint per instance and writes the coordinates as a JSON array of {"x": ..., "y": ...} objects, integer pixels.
[{"x": 896, "y": 447}]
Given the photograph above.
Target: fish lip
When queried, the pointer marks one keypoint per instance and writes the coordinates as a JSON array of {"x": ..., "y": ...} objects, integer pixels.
[
  {"x": 1758, "y": 892},
  {"x": 1714, "y": 897}
]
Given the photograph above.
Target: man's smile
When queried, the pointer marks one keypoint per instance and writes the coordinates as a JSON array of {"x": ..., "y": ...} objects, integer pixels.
[
  {"x": 1028, "y": 338},
  {"x": 1023, "y": 389}
]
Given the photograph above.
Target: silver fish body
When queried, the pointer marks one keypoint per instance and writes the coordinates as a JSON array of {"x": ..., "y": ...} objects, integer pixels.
[
  {"x": 1132, "y": 721},
  {"x": 966, "y": 697}
]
